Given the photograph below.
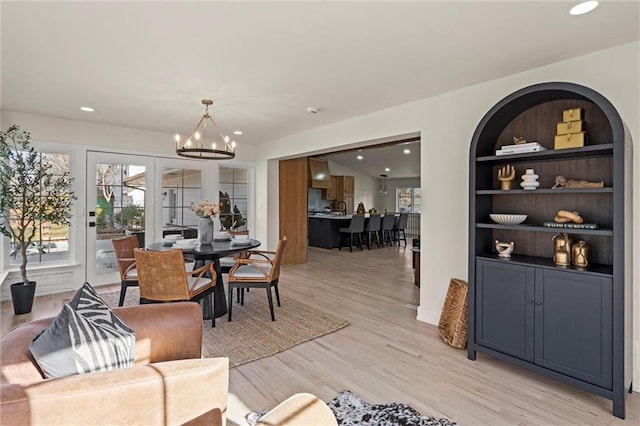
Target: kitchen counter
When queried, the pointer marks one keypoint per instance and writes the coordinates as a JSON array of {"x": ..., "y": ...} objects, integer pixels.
[{"x": 324, "y": 229}]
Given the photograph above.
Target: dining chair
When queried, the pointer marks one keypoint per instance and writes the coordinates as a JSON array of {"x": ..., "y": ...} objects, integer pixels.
[
  {"x": 372, "y": 229},
  {"x": 387, "y": 228},
  {"x": 162, "y": 278},
  {"x": 356, "y": 227},
  {"x": 400, "y": 227},
  {"x": 260, "y": 270},
  {"x": 123, "y": 250}
]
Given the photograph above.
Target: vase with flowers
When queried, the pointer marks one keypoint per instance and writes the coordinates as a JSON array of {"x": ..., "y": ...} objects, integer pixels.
[{"x": 208, "y": 220}]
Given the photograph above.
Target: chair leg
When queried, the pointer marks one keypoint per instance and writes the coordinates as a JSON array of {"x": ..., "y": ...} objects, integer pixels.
[
  {"x": 277, "y": 293},
  {"x": 273, "y": 317},
  {"x": 211, "y": 305},
  {"x": 350, "y": 242},
  {"x": 369, "y": 240},
  {"x": 230, "y": 301},
  {"x": 123, "y": 293},
  {"x": 360, "y": 241},
  {"x": 377, "y": 234},
  {"x": 242, "y": 296}
]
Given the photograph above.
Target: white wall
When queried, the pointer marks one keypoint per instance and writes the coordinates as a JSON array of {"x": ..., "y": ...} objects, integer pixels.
[{"x": 446, "y": 124}]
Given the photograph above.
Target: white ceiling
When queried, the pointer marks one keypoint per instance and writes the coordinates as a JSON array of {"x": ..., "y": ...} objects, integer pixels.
[{"x": 148, "y": 64}]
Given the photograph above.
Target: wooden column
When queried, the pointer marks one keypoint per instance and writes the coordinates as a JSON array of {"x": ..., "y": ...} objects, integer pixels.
[{"x": 293, "y": 176}]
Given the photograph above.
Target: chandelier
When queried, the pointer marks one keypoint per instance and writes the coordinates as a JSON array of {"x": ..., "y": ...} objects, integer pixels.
[
  {"x": 382, "y": 189},
  {"x": 217, "y": 147}
]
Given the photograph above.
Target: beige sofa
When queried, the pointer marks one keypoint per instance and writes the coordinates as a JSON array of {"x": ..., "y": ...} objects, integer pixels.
[{"x": 169, "y": 383}]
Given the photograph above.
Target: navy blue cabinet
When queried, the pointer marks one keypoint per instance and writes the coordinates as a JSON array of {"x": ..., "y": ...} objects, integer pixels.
[
  {"x": 570, "y": 324},
  {"x": 560, "y": 320}
]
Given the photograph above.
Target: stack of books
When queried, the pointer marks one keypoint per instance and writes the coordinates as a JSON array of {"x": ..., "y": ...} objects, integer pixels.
[{"x": 520, "y": 148}]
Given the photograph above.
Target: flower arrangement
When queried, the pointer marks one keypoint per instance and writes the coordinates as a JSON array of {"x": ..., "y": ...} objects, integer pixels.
[{"x": 205, "y": 209}]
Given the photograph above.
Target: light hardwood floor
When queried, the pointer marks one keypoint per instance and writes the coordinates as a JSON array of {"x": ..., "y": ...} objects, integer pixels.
[{"x": 386, "y": 355}]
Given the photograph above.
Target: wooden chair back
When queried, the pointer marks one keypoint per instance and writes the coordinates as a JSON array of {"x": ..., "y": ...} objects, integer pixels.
[
  {"x": 161, "y": 275},
  {"x": 123, "y": 249},
  {"x": 277, "y": 260}
]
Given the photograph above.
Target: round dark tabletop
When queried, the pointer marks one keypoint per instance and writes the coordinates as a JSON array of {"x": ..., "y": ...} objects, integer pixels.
[{"x": 209, "y": 251}]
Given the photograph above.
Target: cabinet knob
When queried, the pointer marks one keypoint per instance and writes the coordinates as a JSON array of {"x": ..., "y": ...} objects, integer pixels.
[
  {"x": 538, "y": 303},
  {"x": 529, "y": 301}
]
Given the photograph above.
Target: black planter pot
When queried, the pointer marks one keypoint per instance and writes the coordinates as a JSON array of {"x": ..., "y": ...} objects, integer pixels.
[{"x": 22, "y": 296}]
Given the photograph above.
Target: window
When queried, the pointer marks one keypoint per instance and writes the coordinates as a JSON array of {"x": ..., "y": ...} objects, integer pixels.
[
  {"x": 408, "y": 200},
  {"x": 51, "y": 242},
  {"x": 234, "y": 188},
  {"x": 180, "y": 189}
]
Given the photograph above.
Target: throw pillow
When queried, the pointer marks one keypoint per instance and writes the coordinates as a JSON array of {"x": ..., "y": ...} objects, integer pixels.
[{"x": 86, "y": 336}]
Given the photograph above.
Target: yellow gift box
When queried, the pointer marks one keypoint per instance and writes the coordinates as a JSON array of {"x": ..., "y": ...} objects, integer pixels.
[
  {"x": 573, "y": 114},
  {"x": 570, "y": 140},
  {"x": 570, "y": 127}
]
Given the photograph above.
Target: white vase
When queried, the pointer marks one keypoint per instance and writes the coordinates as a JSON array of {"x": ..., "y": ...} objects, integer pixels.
[
  {"x": 529, "y": 180},
  {"x": 205, "y": 230}
]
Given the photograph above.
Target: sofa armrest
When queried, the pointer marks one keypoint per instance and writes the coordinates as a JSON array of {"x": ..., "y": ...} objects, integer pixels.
[
  {"x": 176, "y": 392},
  {"x": 301, "y": 409},
  {"x": 164, "y": 331}
]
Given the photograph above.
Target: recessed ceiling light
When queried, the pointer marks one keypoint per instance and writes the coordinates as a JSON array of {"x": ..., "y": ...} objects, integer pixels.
[
  {"x": 87, "y": 109},
  {"x": 237, "y": 132},
  {"x": 407, "y": 151},
  {"x": 584, "y": 7},
  {"x": 360, "y": 157},
  {"x": 386, "y": 169}
]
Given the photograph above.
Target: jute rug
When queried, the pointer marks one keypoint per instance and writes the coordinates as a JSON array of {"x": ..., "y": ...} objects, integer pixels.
[
  {"x": 350, "y": 410},
  {"x": 252, "y": 335}
]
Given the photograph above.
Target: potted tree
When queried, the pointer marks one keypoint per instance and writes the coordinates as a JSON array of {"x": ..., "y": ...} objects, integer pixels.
[{"x": 31, "y": 192}]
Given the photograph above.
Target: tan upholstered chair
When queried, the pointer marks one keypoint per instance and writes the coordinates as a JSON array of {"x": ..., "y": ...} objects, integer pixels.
[
  {"x": 162, "y": 278},
  {"x": 123, "y": 250},
  {"x": 260, "y": 270}
]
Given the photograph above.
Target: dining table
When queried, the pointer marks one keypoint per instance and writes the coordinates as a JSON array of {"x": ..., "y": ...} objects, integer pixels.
[{"x": 205, "y": 253}]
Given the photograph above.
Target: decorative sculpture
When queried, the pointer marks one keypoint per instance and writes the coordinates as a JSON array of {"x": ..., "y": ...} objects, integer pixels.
[
  {"x": 562, "y": 250},
  {"x": 563, "y": 182},
  {"x": 506, "y": 175},
  {"x": 504, "y": 249},
  {"x": 519, "y": 140},
  {"x": 580, "y": 254},
  {"x": 565, "y": 216}
]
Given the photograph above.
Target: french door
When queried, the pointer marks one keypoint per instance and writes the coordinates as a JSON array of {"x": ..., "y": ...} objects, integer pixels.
[{"x": 120, "y": 200}]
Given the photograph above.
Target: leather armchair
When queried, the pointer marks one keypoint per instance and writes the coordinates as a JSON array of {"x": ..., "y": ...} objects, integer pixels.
[{"x": 169, "y": 383}]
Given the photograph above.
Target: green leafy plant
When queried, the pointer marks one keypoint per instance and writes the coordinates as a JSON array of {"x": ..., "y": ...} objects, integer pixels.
[
  {"x": 131, "y": 216},
  {"x": 31, "y": 191}
]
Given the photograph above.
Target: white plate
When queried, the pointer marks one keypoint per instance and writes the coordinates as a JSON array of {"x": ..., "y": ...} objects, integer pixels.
[
  {"x": 241, "y": 242},
  {"x": 185, "y": 246}
]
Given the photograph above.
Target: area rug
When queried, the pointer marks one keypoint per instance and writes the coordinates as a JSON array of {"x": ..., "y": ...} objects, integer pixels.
[
  {"x": 252, "y": 335},
  {"x": 350, "y": 410}
]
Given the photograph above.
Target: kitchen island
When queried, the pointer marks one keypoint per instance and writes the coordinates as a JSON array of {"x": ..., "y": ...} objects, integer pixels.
[{"x": 324, "y": 229}]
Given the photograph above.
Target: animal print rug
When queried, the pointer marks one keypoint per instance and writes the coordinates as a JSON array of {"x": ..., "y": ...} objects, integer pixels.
[{"x": 353, "y": 411}]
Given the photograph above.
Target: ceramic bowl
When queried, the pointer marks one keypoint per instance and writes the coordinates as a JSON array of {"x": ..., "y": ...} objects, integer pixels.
[{"x": 508, "y": 219}]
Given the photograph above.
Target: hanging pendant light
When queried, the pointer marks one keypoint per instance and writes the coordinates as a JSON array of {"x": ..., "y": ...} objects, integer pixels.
[
  {"x": 382, "y": 189},
  {"x": 212, "y": 146}
]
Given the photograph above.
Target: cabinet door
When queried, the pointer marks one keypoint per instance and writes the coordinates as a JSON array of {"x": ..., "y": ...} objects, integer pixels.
[
  {"x": 348, "y": 185},
  {"x": 504, "y": 308},
  {"x": 574, "y": 325}
]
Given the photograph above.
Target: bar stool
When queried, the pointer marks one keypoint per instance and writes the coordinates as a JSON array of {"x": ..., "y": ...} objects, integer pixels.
[
  {"x": 387, "y": 228},
  {"x": 373, "y": 229},
  {"x": 356, "y": 227}
]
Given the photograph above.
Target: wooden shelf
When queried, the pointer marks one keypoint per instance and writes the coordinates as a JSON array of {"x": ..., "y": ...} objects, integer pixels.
[
  {"x": 543, "y": 262},
  {"x": 552, "y": 154},
  {"x": 535, "y": 228},
  {"x": 607, "y": 189}
]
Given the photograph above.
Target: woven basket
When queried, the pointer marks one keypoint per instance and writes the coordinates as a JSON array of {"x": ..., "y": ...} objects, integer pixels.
[{"x": 453, "y": 320}]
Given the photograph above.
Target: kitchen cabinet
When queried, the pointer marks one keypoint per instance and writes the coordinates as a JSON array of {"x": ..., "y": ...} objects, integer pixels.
[
  {"x": 319, "y": 176},
  {"x": 570, "y": 324},
  {"x": 341, "y": 190}
]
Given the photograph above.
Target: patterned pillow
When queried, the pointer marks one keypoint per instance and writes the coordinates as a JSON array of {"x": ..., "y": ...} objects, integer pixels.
[{"x": 86, "y": 336}]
